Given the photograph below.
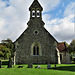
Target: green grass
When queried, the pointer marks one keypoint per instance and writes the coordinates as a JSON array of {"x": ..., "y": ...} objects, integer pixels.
[{"x": 63, "y": 69}]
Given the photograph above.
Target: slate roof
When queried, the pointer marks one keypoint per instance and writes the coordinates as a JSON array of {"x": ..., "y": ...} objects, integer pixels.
[{"x": 62, "y": 46}]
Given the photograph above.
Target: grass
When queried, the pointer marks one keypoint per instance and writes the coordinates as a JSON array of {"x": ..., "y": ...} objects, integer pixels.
[{"x": 63, "y": 69}]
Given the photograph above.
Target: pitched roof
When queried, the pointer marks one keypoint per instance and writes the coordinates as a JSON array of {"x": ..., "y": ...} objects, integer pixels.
[
  {"x": 35, "y": 4},
  {"x": 62, "y": 46}
]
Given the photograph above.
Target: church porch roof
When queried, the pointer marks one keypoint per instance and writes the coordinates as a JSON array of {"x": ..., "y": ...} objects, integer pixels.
[{"x": 62, "y": 46}]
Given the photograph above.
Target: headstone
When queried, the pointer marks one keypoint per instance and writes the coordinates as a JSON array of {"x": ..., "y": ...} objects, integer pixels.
[
  {"x": 20, "y": 66},
  {"x": 38, "y": 66},
  {"x": 0, "y": 63},
  {"x": 30, "y": 65},
  {"x": 48, "y": 66},
  {"x": 10, "y": 63},
  {"x": 55, "y": 65}
]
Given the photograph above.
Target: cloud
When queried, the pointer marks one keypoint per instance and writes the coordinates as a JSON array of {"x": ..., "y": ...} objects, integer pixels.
[
  {"x": 2, "y": 4},
  {"x": 14, "y": 18},
  {"x": 12, "y": 21},
  {"x": 62, "y": 29},
  {"x": 70, "y": 9},
  {"x": 2, "y": 22},
  {"x": 49, "y": 5}
]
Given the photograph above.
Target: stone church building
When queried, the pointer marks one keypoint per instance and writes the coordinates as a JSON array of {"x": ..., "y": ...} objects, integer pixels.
[{"x": 36, "y": 44}]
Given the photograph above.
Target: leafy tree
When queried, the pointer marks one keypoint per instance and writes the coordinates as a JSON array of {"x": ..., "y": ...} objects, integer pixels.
[
  {"x": 6, "y": 48},
  {"x": 72, "y": 47},
  {"x": 72, "y": 50},
  {"x": 4, "y": 52},
  {"x": 9, "y": 44}
]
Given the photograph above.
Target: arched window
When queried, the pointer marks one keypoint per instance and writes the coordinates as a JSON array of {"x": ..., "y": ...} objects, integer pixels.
[
  {"x": 33, "y": 13},
  {"x": 36, "y": 50},
  {"x": 38, "y": 13}
]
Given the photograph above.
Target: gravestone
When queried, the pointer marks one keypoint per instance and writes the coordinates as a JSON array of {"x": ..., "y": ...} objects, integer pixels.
[
  {"x": 10, "y": 63},
  {"x": 20, "y": 66},
  {"x": 55, "y": 66},
  {"x": 0, "y": 63},
  {"x": 48, "y": 66},
  {"x": 38, "y": 66},
  {"x": 30, "y": 65}
]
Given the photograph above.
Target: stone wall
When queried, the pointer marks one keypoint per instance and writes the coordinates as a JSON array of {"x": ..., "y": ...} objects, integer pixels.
[
  {"x": 65, "y": 57},
  {"x": 23, "y": 45}
]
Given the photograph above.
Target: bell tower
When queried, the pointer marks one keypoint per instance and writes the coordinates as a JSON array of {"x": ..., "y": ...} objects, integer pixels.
[
  {"x": 35, "y": 10},
  {"x": 35, "y": 13}
]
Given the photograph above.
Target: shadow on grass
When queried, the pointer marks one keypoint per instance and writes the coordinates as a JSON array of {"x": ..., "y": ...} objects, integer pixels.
[{"x": 66, "y": 68}]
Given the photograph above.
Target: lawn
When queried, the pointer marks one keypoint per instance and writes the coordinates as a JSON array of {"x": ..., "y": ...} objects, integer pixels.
[{"x": 63, "y": 69}]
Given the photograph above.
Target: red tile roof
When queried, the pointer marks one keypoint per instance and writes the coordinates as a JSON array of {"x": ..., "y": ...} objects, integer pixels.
[{"x": 61, "y": 46}]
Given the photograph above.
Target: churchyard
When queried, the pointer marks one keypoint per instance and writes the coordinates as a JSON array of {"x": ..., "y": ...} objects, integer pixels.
[
  {"x": 63, "y": 69},
  {"x": 36, "y": 45}
]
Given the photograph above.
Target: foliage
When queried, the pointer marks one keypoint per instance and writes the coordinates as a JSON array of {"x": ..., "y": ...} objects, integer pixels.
[
  {"x": 7, "y": 41},
  {"x": 6, "y": 48},
  {"x": 71, "y": 49},
  {"x": 67, "y": 44},
  {"x": 1, "y": 54},
  {"x": 4, "y": 52},
  {"x": 72, "y": 46},
  {"x": 11, "y": 47}
]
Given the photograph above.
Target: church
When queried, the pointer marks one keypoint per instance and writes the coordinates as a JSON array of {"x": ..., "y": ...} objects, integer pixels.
[{"x": 36, "y": 44}]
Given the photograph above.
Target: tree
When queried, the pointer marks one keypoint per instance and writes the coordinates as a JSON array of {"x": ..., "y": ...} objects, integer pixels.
[
  {"x": 72, "y": 47},
  {"x": 72, "y": 50},
  {"x": 9, "y": 44},
  {"x": 7, "y": 41},
  {"x": 6, "y": 48},
  {"x": 4, "y": 52},
  {"x": 67, "y": 45}
]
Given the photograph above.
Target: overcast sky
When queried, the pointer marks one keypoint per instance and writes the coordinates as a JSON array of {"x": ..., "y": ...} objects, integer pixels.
[{"x": 58, "y": 16}]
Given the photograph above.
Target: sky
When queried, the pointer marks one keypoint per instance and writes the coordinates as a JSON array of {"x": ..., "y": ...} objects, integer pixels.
[{"x": 58, "y": 15}]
